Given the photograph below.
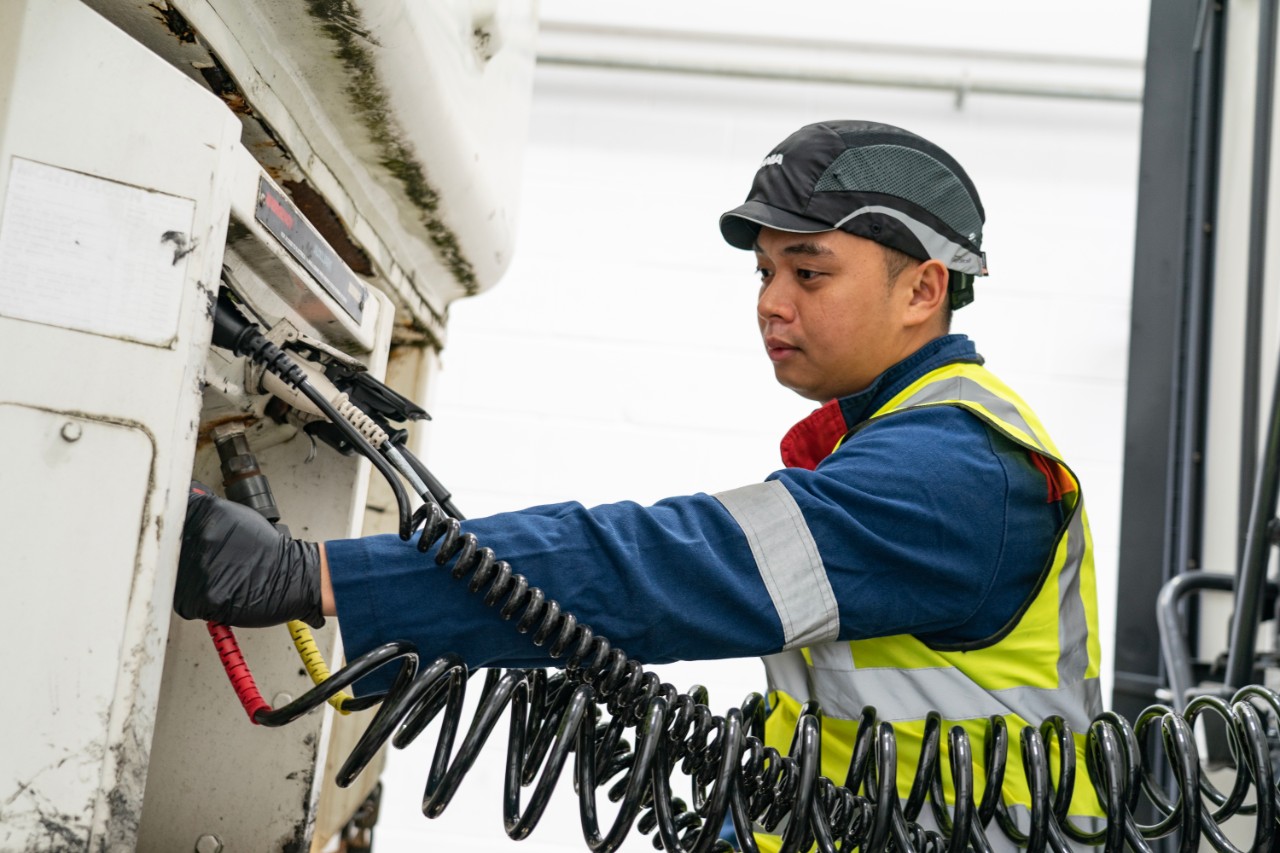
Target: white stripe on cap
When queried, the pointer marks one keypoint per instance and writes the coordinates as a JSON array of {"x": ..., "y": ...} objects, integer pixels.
[{"x": 952, "y": 254}]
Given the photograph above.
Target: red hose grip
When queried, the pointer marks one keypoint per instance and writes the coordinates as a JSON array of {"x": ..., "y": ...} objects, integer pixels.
[{"x": 237, "y": 670}]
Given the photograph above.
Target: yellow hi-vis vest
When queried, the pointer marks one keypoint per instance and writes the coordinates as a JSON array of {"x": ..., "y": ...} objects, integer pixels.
[{"x": 1045, "y": 662}]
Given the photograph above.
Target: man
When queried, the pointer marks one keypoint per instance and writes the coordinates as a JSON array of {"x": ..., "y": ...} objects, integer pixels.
[{"x": 924, "y": 548}]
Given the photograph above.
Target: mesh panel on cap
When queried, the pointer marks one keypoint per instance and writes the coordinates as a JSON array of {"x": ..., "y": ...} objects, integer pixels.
[{"x": 905, "y": 173}]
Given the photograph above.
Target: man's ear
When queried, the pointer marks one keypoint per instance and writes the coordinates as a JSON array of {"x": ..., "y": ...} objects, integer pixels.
[{"x": 928, "y": 283}]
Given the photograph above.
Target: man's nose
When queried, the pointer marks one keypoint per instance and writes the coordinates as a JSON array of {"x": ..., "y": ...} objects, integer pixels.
[{"x": 774, "y": 303}]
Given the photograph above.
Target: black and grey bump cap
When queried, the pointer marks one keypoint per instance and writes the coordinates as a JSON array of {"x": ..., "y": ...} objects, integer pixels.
[{"x": 873, "y": 180}]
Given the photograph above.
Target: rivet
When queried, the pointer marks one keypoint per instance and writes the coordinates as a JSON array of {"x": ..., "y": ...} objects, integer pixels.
[
  {"x": 280, "y": 700},
  {"x": 71, "y": 431},
  {"x": 208, "y": 844}
]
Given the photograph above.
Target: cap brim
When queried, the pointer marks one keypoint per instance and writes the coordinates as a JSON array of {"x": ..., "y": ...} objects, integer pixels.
[{"x": 741, "y": 226}]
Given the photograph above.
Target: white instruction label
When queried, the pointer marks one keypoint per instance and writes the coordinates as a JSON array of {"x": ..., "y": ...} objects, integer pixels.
[{"x": 90, "y": 254}]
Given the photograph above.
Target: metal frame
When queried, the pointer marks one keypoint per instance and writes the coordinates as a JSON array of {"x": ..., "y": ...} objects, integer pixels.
[
  {"x": 1164, "y": 437},
  {"x": 1258, "y": 485}
]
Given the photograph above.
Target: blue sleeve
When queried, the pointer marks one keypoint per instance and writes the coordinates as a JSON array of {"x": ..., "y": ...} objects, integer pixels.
[
  {"x": 928, "y": 523},
  {"x": 911, "y": 517},
  {"x": 672, "y": 581}
]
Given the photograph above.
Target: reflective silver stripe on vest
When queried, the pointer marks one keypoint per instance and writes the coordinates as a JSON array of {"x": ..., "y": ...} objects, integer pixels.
[
  {"x": 964, "y": 389},
  {"x": 901, "y": 695},
  {"x": 1073, "y": 626},
  {"x": 788, "y": 561},
  {"x": 788, "y": 672}
]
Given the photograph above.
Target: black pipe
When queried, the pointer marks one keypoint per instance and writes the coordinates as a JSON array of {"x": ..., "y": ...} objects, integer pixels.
[
  {"x": 1253, "y": 570},
  {"x": 1195, "y": 332},
  {"x": 437, "y": 489},
  {"x": 1262, "y": 482},
  {"x": 1175, "y": 644},
  {"x": 1174, "y": 640},
  {"x": 1264, "y": 96}
]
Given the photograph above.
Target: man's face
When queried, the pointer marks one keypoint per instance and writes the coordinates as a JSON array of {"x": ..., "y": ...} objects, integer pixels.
[{"x": 830, "y": 320}]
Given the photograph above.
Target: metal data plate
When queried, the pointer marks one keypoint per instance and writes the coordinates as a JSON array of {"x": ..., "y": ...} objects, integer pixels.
[
  {"x": 278, "y": 215},
  {"x": 98, "y": 256}
]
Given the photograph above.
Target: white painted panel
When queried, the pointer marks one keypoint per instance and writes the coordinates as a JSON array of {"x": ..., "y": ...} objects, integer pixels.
[
  {"x": 62, "y": 554},
  {"x": 95, "y": 585}
]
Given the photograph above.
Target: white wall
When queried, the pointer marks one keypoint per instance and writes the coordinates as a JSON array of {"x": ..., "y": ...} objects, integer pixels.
[{"x": 619, "y": 358}]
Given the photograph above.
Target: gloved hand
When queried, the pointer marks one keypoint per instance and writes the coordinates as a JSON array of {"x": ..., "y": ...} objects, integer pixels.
[{"x": 237, "y": 569}]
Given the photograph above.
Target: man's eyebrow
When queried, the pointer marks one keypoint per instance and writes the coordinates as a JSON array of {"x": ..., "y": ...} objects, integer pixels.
[{"x": 807, "y": 248}]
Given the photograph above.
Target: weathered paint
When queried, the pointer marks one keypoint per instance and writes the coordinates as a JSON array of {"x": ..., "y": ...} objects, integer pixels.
[{"x": 341, "y": 22}]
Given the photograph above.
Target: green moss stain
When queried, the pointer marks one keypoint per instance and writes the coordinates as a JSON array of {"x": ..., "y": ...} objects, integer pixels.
[{"x": 341, "y": 22}]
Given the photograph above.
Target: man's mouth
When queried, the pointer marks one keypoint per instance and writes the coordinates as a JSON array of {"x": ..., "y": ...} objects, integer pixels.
[{"x": 779, "y": 349}]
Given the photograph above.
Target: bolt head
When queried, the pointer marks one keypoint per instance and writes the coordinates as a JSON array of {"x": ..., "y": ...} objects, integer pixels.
[
  {"x": 71, "y": 431},
  {"x": 281, "y": 699},
  {"x": 208, "y": 844}
]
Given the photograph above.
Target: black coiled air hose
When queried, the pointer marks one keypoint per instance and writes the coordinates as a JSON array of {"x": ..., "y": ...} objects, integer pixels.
[
  {"x": 729, "y": 768},
  {"x": 732, "y": 772}
]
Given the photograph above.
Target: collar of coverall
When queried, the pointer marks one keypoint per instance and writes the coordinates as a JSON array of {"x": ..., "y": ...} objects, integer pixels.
[{"x": 812, "y": 440}]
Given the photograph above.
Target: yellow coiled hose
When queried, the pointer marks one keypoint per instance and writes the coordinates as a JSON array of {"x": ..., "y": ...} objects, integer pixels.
[{"x": 314, "y": 661}]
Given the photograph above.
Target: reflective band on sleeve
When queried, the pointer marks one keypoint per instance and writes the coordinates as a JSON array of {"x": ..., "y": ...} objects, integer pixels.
[
  {"x": 964, "y": 389},
  {"x": 910, "y": 694},
  {"x": 788, "y": 561}
]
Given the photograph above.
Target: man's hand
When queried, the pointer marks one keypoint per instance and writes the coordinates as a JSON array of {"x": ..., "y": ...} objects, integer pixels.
[{"x": 237, "y": 569}]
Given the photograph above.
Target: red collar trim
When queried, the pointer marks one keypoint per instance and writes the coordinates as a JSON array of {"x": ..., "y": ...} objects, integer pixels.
[{"x": 812, "y": 440}]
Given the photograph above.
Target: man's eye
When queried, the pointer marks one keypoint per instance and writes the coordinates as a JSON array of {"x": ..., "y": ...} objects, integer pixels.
[
  {"x": 763, "y": 273},
  {"x": 806, "y": 275}
]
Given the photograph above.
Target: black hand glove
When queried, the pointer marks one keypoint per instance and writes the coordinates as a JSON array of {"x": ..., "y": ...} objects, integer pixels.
[{"x": 237, "y": 569}]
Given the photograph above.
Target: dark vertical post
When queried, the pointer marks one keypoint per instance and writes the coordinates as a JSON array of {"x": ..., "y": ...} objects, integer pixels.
[
  {"x": 1264, "y": 95},
  {"x": 1172, "y": 289}
]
